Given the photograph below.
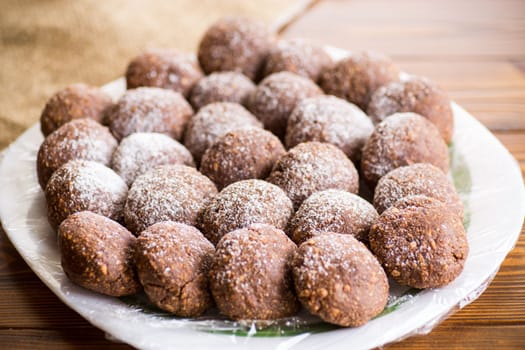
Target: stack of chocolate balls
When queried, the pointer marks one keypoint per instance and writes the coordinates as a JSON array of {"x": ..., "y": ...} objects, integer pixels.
[{"x": 234, "y": 180}]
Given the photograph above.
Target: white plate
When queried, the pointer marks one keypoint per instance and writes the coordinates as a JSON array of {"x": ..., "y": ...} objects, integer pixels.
[{"x": 486, "y": 175}]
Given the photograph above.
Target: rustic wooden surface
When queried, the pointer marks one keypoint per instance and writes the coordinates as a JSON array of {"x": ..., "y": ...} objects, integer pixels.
[{"x": 475, "y": 49}]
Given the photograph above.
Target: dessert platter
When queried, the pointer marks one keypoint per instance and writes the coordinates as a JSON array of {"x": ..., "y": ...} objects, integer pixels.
[{"x": 273, "y": 195}]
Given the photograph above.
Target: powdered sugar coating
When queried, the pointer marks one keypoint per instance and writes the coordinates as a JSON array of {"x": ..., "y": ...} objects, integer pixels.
[
  {"x": 140, "y": 152},
  {"x": 149, "y": 109},
  {"x": 221, "y": 87},
  {"x": 311, "y": 167},
  {"x": 332, "y": 211},
  {"x": 329, "y": 119},
  {"x": 170, "y": 192},
  {"x": 276, "y": 96},
  {"x": 402, "y": 139},
  {"x": 417, "y": 179},
  {"x": 251, "y": 278},
  {"x": 243, "y": 203},
  {"x": 81, "y": 185},
  {"x": 77, "y": 139},
  {"x": 163, "y": 68},
  {"x": 338, "y": 279}
]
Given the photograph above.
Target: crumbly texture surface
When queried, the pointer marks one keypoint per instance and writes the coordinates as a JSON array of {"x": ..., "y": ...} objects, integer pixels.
[
  {"x": 338, "y": 279},
  {"x": 417, "y": 179},
  {"x": 97, "y": 254},
  {"x": 81, "y": 185},
  {"x": 172, "y": 262},
  {"x": 235, "y": 44},
  {"x": 163, "y": 68},
  {"x": 77, "y": 139},
  {"x": 221, "y": 87},
  {"x": 332, "y": 120},
  {"x": 248, "y": 153},
  {"x": 402, "y": 139},
  {"x": 243, "y": 203},
  {"x": 299, "y": 57},
  {"x": 418, "y": 95},
  {"x": 149, "y": 109},
  {"x": 251, "y": 277},
  {"x": 74, "y": 102},
  {"x": 420, "y": 242},
  {"x": 140, "y": 152},
  {"x": 170, "y": 192},
  {"x": 332, "y": 211},
  {"x": 358, "y": 76},
  {"x": 312, "y": 167},
  {"x": 213, "y": 121},
  {"x": 275, "y": 98}
]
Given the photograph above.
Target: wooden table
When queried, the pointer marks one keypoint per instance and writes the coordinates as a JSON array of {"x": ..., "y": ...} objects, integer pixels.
[{"x": 475, "y": 49}]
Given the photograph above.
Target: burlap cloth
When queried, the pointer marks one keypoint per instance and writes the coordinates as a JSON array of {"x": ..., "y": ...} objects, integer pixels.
[{"x": 48, "y": 44}]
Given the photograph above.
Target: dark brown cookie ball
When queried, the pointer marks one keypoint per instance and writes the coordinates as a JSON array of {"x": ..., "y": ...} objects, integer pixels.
[
  {"x": 97, "y": 254},
  {"x": 77, "y": 139},
  {"x": 213, "y": 121},
  {"x": 332, "y": 120},
  {"x": 358, "y": 76},
  {"x": 312, "y": 167},
  {"x": 221, "y": 87},
  {"x": 299, "y": 57},
  {"x": 276, "y": 96},
  {"x": 402, "y": 139},
  {"x": 417, "y": 179},
  {"x": 149, "y": 109},
  {"x": 244, "y": 203},
  {"x": 170, "y": 192},
  {"x": 235, "y": 44},
  {"x": 242, "y": 154},
  {"x": 163, "y": 68},
  {"x": 418, "y": 95},
  {"x": 84, "y": 185},
  {"x": 332, "y": 211},
  {"x": 420, "y": 242},
  {"x": 338, "y": 279},
  {"x": 74, "y": 102},
  {"x": 141, "y": 151},
  {"x": 251, "y": 277},
  {"x": 172, "y": 261}
]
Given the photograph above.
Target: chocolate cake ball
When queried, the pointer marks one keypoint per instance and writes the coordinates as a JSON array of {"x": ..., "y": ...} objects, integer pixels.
[
  {"x": 170, "y": 192},
  {"x": 97, "y": 254},
  {"x": 163, "y": 68},
  {"x": 276, "y": 96},
  {"x": 250, "y": 277},
  {"x": 418, "y": 95},
  {"x": 416, "y": 179},
  {"x": 243, "y": 203},
  {"x": 338, "y": 279},
  {"x": 74, "y": 102},
  {"x": 149, "y": 109},
  {"x": 172, "y": 261},
  {"x": 84, "y": 185},
  {"x": 312, "y": 167},
  {"x": 358, "y": 76},
  {"x": 221, "y": 87},
  {"x": 332, "y": 211},
  {"x": 299, "y": 57},
  {"x": 242, "y": 154},
  {"x": 420, "y": 242},
  {"x": 402, "y": 139},
  {"x": 235, "y": 44},
  {"x": 332, "y": 120},
  {"x": 213, "y": 121},
  {"x": 142, "y": 151},
  {"x": 77, "y": 139}
]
